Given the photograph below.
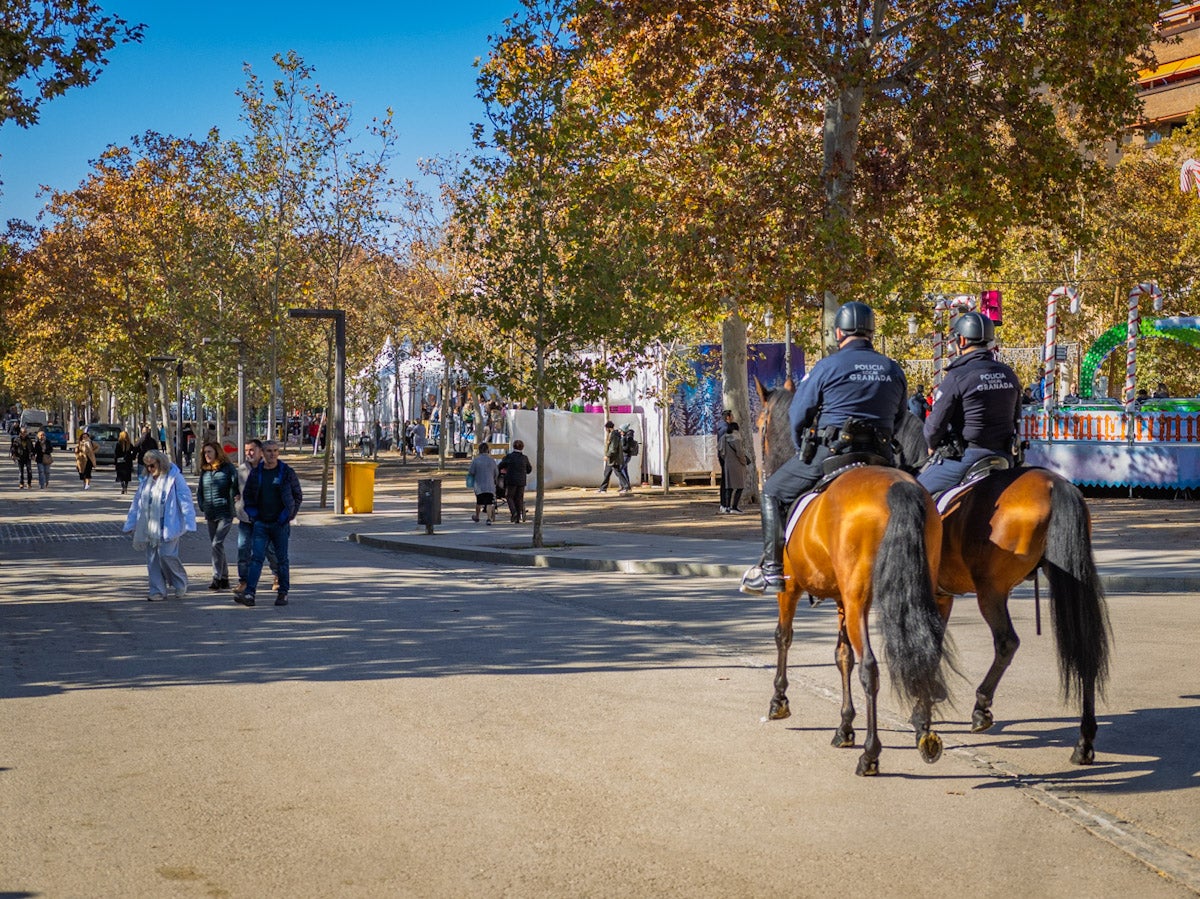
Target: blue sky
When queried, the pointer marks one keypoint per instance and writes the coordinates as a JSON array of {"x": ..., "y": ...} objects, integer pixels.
[{"x": 415, "y": 57}]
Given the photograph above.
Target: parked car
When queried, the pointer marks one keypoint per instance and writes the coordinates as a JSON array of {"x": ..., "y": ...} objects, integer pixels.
[
  {"x": 105, "y": 437},
  {"x": 57, "y": 436}
]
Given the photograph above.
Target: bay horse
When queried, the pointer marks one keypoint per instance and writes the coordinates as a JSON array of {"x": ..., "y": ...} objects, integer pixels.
[
  {"x": 995, "y": 535},
  {"x": 872, "y": 535}
]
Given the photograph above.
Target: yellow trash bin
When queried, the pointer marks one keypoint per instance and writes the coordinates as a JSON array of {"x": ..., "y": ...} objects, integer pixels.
[{"x": 360, "y": 487}]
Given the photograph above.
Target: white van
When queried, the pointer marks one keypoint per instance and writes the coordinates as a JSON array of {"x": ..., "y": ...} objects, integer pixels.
[{"x": 33, "y": 419}]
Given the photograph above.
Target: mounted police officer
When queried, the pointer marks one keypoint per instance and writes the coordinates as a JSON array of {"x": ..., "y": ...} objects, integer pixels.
[
  {"x": 850, "y": 401},
  {"x": 976, "y": 408}
]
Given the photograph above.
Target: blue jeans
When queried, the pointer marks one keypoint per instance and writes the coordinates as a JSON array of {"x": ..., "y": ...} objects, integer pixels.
[
  {"x": 276, "y": 535},
  {"x": 43, "y": 473},
  {"x": 245, "y": 537}
]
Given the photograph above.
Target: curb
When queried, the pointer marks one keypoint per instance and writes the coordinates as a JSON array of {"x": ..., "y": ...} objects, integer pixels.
[
  {"x": 530, "y": 558},
  {"x": 542, "y": 559}
]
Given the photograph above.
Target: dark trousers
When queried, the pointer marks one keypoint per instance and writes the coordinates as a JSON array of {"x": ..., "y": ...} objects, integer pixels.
[
  {"x": 945, "y": 473},
  {"x": 26, "y": 468},
  {"x": 515, "y": 497},
  {"x": 622, "y": 477}
]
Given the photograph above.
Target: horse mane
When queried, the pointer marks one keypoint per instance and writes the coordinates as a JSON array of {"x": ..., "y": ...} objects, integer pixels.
[{"x": 776, "y": 429}]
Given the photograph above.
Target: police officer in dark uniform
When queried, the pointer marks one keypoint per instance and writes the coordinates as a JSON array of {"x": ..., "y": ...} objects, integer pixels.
[
  {"x": 976, "y": 408},
  {"x": 856, "y": 386}
]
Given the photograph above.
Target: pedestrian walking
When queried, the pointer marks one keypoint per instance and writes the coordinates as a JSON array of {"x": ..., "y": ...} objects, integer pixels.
[
  {"x": 22, "y": 454},
  {"x": 216, "y": 493},
  {"x": 43, "y": 456},
  {"x": 160, "y": 514},
  {"x": 722, "y": 426},
  {"x": 124, "y": 455},
  {"x": 481, "y": 477},
  {"x": 614, "y": 458},
  {"x": 271, "y": 499},
  {"x": 252, "y": 454},
  {"x": 515, "y": 469},
  {"x": 737, "y": 461},
  {"x": 144, "y": 446},
  {"x": 85, "y": 458}
]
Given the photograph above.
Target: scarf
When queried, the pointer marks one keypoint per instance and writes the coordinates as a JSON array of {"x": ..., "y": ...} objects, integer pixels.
[{"x": 151, "y": 502}]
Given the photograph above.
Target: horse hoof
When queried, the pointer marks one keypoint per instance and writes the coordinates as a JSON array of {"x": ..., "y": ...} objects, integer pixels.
[
  {"x": 981, "y": 721},
  {"x": 867, "y": 767},
  {"x": 844, "y": 739},
  {"x": 930, "y": 747},
  {"x": 779, "y": 710},
  {"x": 1083, "y": 755}
]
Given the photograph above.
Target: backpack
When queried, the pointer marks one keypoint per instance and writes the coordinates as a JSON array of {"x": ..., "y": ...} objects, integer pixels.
[{"x": 629, "y": 445}]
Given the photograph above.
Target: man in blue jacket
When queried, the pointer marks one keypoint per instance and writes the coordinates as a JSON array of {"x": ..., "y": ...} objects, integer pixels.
[
  {"x": 855, "y": 383},
  {"x": 271, "y": 499},
  {"x": 976, "y": 408}
]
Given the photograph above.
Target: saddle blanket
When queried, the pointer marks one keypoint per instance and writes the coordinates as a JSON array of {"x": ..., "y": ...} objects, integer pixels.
[{"x": 797, "y": 511}]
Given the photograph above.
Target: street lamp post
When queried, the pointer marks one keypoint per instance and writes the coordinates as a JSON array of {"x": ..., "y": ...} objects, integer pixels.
[{"x": 339, "y": 398}]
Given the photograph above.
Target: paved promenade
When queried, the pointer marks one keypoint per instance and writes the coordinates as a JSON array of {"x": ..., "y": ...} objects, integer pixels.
[{"x": 421, "y": 723}]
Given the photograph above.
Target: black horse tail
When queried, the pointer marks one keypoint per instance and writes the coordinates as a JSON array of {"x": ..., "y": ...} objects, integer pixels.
[
  {"x": 1077, "y": 605},
  {"x": 913, "y": 631}
]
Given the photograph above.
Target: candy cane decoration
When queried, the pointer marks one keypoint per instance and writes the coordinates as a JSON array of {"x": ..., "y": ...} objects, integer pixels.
[
  {"x": 1149, "y": 289},
  {"x": 1189, "y": 176},
  {"x": 940, "y": 307},
  {"x": 1050, "y": 361}
]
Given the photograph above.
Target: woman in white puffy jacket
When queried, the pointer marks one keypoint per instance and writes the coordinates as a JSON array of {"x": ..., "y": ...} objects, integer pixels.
[{"x": 162, "y": 511}]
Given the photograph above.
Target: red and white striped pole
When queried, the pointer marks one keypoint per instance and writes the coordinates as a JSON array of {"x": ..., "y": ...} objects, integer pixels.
[
  {"x": 1050, "y": 360},
  {"x": 1149, "y": 289}
]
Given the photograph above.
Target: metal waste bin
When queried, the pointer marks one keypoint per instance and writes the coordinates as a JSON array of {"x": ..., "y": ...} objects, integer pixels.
[
  {"x": 360, "y": 487},
  {"x": 429, "y": 503}
]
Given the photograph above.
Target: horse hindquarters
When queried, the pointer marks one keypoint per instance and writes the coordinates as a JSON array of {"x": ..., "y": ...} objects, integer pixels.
[{"x": 1077, "y": 607}]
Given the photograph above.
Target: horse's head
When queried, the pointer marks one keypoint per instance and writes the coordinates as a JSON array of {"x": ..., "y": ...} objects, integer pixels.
[{"x": 773, "y": 424}]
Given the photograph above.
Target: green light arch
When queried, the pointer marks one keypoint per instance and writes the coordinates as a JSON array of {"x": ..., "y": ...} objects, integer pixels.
[{"x": 1183, "y": 330}]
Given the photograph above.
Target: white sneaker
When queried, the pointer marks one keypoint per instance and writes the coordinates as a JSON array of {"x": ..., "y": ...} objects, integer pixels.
[
  {"x": 736, "y": 511},
  {"x": 723, "y": 511}
]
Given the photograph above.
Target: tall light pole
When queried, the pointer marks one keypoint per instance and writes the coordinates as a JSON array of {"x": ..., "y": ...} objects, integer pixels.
[{"x": 339, "y": 398}]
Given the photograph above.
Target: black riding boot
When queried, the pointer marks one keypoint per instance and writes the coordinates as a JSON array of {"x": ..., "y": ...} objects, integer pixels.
[{"x": 768, "y": 578}]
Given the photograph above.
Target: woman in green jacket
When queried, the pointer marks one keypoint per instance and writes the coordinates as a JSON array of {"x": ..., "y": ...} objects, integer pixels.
[{"x": 215, "y": 495}]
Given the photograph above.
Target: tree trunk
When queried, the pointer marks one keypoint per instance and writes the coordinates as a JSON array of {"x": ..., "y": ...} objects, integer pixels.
[{"x": 843, "y": 115}]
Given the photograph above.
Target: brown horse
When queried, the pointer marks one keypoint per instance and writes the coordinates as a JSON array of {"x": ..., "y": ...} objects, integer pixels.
[
  {"x": 997, "y": 534},
  {"x": 873, "y": 534}
]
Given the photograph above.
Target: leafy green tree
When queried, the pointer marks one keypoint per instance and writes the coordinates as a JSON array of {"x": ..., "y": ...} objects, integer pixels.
[
  {"x": 559, "y": 244},
  {"x": 48, "y": 47}
]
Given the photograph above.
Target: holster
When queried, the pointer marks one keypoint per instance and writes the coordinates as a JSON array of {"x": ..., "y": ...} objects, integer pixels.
[{"x": 809, "y": 442}]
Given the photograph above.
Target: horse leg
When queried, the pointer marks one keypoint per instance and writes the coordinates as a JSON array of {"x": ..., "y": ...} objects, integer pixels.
[
  {"x": 993, "y": 605},
  {"x": 783, "y": 641},
  {"x": 1085, "y": 752},
  {"x": 929, "y": 743},
  {"x": 868, "y": 762},
  {"x": 843, "y": 737}
]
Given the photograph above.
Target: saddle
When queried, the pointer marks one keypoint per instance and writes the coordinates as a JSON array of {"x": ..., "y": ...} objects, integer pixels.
[{"x": 973, "y": 475}]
